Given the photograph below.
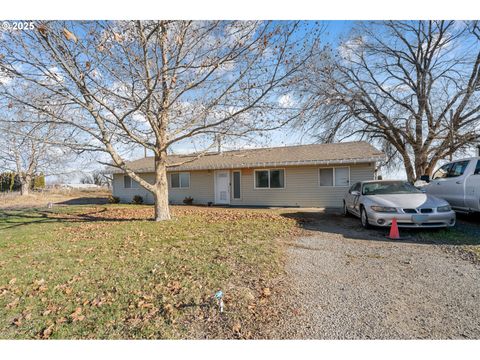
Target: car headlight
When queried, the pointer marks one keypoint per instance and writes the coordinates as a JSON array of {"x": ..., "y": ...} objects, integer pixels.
[
  {"x": 383, "y": 209},
  {"x": 445, "y": 208}
]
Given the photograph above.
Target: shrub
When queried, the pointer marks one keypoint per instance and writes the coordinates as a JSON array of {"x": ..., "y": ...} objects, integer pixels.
[
  {"x": 113, "y": 199},
  {"x": 39, "y": 181},
  {"x": 188, "y": 200},
  {"x": 137, "y": 200}
]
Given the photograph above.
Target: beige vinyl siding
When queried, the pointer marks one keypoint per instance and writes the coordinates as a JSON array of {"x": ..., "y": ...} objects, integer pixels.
[
  {"x": 302, "y": 188},
  {"x": 126, "y": 195},
  {"x": 201, "y": 188}
]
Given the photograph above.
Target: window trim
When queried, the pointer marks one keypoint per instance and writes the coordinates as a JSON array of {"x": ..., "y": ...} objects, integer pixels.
[
  {"x": 180, "y": 187},
  {"x": 269, "y": 188},
  {"x": 240, "y": 184},
  {"x": 333, "y": 177}
]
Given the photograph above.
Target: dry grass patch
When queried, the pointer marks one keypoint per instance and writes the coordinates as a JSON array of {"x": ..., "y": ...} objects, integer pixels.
[{"x": 41, "y": 198}]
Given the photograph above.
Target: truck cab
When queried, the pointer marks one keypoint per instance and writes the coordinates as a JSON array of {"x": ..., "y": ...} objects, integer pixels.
[{"x": 458, "y": 182}]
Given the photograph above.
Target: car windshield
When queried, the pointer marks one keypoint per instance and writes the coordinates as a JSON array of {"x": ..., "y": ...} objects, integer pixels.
[{"x": 389, "y": 187}]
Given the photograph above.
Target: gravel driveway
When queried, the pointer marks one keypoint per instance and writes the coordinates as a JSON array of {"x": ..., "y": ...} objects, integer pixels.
[{"x": 351, "y": 283}]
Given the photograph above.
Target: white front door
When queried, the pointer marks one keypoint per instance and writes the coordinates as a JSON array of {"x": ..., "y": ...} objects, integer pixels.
[{"x": 222, "y": 187}]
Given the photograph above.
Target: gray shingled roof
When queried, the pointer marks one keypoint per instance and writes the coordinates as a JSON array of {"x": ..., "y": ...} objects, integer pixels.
[{"x": 315, "y": 154}]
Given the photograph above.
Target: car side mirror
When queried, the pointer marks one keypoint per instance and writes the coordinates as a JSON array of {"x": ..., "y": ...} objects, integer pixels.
[
  {"x": 425, "y": 178},
  {"x": 355, "y": 193}
]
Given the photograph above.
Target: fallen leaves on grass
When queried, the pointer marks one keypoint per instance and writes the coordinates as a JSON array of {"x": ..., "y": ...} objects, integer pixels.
[
  {"x": 47, "y": 332},
  {"x": 61, "y": 320},
  {"x": 208, "y": 214},
  {"x": 38, "y": 287},
  {"x": 237, "y": 327},
  {"x": 266, "y": 292},
  {"x": 174, "y": 287},
  {"x": 168, "y": 310},
  {"x": 50, "y": 309},
  {"x": 13, "y": 304},
  {"x": 77, "y": 315}
]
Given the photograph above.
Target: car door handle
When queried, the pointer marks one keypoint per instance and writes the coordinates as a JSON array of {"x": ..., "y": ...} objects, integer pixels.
[{"x": 458, "y": 182}]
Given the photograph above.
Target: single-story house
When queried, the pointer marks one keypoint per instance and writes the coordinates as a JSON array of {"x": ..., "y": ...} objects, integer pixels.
[{"x": 316, "y": 175}]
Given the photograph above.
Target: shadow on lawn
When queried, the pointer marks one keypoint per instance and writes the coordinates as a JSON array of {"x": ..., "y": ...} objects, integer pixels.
[
  {"x": 333, "y": 221},
  {"x": 17, "y": 218},
  {"x": 85, "y": 201}
]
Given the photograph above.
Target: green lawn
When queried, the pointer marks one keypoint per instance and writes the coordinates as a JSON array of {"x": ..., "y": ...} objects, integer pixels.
[{"x": 92, "y": 272}]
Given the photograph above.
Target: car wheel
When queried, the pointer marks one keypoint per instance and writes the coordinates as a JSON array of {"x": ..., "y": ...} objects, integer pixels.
[
  {"x": 364, "y": 218},
  {"x": 345, "y": 210}
]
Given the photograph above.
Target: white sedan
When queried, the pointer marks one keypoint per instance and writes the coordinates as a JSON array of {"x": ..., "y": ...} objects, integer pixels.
[{"x": 378, "y": 202}]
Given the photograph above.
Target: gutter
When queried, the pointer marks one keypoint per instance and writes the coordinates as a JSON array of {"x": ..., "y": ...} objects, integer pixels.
[{"x": 261, "y": 165}]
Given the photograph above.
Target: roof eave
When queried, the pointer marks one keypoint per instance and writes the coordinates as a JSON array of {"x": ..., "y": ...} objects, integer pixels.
[{"x": 264, "y": 164}]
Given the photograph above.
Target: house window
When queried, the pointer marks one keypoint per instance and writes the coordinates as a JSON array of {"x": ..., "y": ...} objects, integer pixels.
[
  {"x": 236, "y": 184},
  {"x": 326, "y": 177},
  {"x": 180, "y": 180},
  {"x": 270, "y": 179},
  {"x": 277, "y": 179},
  {"x": 338, "y": 176},
  {"x": 261, "y": 179},
  {"x": 129, "y": 183},
  {"x": 342, "y": 176}
]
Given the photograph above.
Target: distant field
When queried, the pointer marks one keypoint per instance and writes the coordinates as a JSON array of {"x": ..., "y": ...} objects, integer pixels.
[{"x": 42, "y": 198}]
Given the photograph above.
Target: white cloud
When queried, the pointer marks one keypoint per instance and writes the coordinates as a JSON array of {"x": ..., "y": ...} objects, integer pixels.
[
  {"x": 5, "y": 79},
  {"x": 349, "y": 48},
  {"x": 286, "y": 101}
]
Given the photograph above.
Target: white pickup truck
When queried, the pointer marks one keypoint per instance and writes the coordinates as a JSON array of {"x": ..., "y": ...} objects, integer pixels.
[{"x": 458, "y": 182}]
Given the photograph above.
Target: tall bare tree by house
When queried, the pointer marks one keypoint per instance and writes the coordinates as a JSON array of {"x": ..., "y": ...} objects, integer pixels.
[
  {"x": 411, "y": 86},
  {"x": 158, "y": 83}
]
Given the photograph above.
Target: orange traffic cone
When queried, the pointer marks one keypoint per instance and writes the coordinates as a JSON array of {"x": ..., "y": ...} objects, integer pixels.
[{"x": 394, "y": 233}]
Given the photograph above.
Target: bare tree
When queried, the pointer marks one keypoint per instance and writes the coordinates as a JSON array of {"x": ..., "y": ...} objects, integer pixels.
[
  {"x": 29, "y": 149},
  {"x": 158, "y": 83},
  {"x": 97, "y": 177},
  {"x": 410, "y": 86}
]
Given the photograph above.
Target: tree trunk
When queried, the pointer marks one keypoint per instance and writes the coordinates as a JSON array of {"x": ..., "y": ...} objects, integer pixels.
[
  {"x": 421, "y": 163},
  {"x": 160, "y": 195},
  {"x": 25, "y": 183},
  {"x": 431, "y": 167},
  {"x": 408, "y": 166}
]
